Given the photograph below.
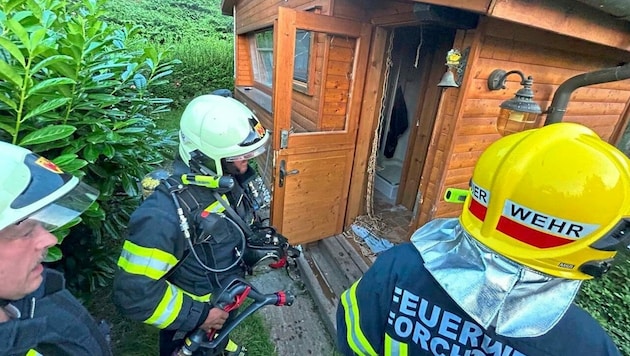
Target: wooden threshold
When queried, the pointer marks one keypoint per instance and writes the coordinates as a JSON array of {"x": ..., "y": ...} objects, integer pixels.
[{"x": 328, "y": 267}]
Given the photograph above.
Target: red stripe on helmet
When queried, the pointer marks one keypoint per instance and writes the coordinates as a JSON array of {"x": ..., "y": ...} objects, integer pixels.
[
  {"x": 477, "y": 209},
  {"x": 528, "y": 235}
]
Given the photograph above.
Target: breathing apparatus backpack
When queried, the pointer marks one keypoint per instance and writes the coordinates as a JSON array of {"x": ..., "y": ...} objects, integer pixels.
[{"x": 254, "y": 243}]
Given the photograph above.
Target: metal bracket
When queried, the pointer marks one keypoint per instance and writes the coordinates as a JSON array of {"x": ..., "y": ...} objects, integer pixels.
[{"x": 284, "y": 138}]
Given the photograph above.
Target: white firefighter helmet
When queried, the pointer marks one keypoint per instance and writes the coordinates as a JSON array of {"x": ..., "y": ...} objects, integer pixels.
[
  {"x": 32, "y": 187},
  {"x": 220, "y": 128}
]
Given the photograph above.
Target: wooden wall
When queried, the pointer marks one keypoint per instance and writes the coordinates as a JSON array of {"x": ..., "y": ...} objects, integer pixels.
[
  {"x": 550, "y": 59},
  {"x": 244, "y": 73},
  {"x": 256, "y": 14},
  {"x": 337, "y": 77},
  {"x": 431, "y": 182},
  {"x": 304, "y": 117}
]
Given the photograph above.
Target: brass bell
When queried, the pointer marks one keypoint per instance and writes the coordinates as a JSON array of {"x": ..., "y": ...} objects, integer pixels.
[{"x": 448, "y": 80}]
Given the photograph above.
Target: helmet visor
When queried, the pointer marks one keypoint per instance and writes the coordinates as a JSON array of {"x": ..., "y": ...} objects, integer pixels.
[
  {"x": 66, "y": 208},
  {"x": 247, "y": 156}
]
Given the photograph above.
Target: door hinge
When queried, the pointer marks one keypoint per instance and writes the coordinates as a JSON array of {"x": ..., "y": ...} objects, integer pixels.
[{"x": 284, "y": 138}]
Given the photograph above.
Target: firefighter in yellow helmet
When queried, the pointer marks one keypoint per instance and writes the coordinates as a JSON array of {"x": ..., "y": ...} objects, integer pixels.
[{"x": 547, "y": 209}]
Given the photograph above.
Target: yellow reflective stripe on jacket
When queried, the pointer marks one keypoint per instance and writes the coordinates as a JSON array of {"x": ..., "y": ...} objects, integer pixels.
[
  {"x": 356, "y": 340},
  {"x": 32, "y": 352},
  {"x": 395, "y": 347},
  {"x": 168, "y": 309},
  {"x": 145, "y": 261},
  {"x": 216, "y": 207},
  {"x": 199, "y": 298}
]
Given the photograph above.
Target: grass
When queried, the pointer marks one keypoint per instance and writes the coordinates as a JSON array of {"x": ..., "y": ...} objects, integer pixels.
[{"x": 131, "y": 338}]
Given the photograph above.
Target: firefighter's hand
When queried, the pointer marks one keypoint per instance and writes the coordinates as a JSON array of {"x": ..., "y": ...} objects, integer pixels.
[
  {"x": 215, "y": 320},
  {"x": 3, "y": 316}
]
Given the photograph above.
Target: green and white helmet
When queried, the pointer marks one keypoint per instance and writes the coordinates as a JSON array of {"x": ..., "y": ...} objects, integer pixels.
[
  {"x": 32, "y": 187},
  {"x": 220, "y": 128}
]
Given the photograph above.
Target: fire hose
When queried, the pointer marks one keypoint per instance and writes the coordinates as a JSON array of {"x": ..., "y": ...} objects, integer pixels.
[{"x": 229, "y": 299}]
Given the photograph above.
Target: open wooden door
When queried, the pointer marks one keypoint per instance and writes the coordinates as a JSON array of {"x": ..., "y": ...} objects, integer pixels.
[{"x": 315, "y": 128}]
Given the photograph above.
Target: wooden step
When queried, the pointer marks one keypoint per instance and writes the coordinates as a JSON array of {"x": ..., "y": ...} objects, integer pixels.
[{"x": 328, "y": 267}]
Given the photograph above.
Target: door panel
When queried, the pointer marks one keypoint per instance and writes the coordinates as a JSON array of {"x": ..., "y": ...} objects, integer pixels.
[
  {"x": 315, "y": 196},
  {"x": 315, "y": 125}
]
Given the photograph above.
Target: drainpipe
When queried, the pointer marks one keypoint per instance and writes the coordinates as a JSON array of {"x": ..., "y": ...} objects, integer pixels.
[{"x": 558, "y": 106}]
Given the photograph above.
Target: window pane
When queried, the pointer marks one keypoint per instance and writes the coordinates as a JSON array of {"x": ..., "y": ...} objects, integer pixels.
[
  {"x": 263, "y": 57},
  {"x": 302, "y": 55}
]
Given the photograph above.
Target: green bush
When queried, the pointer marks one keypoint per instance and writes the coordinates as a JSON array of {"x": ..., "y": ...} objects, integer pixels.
[
  {"x": 206, "y": 65},
  {"x": 194, "y": 32},
  {"x": 72, "y": 90},
  {"x": 171, "y": 21},
  {"x": 608, "y": 300}
]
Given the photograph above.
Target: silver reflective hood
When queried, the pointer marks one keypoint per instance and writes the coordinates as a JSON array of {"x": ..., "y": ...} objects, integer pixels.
[{"x": 492, "y": 289}]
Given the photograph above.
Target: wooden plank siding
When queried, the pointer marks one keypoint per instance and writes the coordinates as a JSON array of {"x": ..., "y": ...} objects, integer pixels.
[
  {"x": 566, "y": 17},
  {"x": 244, "y": 74},
  {"x": 255, "y": 15},
  {"x": 550, "y": 59},
  {"x": 340, "y": 54},
  {"x": 434, "y": 171}
]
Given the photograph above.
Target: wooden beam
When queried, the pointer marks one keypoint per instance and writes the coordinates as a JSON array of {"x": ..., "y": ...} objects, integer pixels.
[
  {"x": 371, "y": 97},
  {"x": 566, "y": 17},
  {"x": 480, "y": 6}
]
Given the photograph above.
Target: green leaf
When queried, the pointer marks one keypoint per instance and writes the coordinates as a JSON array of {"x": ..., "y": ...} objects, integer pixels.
[
  {"x": 54, "y": 254},
  {"x": 121, "y": 124},
  {"x": 91, "y": 153},
  {"x": 49, "y": 61},
  {"x": 49, "y": 83},
  {"x": 132, "y": 130},
  {"x": 10, "y": 103},
  {"x": 20, "y": 32},
  {"x": 46, "y": 107},
  {"x": 48, "y": 134},
  {"x": 13, "y": 49},
  {"x": 7, "y": 73},
  {"x": 140, "y": 81},
  {"x": 64, "y": 68},
  {"x": 74, "y": 165},
  {"x": 108, "y": 150},
  {"x": 129, "y": 185},
  {"x": 8, "y": 128},
  {"x": 160, "y": 75},
  {"x": 64, "y": 159}
]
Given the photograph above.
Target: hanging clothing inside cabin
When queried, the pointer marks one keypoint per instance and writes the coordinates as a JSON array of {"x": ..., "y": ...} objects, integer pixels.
[{"x": 398, "y": 123}]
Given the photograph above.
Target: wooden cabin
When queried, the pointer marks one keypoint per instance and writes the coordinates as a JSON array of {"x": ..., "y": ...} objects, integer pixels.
[{"x": 348, "y": 85}]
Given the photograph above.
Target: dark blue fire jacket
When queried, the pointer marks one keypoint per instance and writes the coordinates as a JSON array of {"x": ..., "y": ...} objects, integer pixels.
[
  {"x": 52, "y": 322},
  {"x": 397, "y": 308}
]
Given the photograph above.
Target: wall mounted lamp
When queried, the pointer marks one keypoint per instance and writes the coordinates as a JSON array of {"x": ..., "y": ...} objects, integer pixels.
[{"x": 519, "y": 113}]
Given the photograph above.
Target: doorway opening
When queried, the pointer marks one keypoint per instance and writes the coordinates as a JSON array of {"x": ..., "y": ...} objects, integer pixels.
[{"x": 411, "y": 97}]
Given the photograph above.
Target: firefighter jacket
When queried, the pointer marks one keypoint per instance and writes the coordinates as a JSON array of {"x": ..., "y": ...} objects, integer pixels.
[
  {"x": 50, "y": 321},
  {"x": 398, "y": 308},
  {"x": 148, "y": 287}
]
